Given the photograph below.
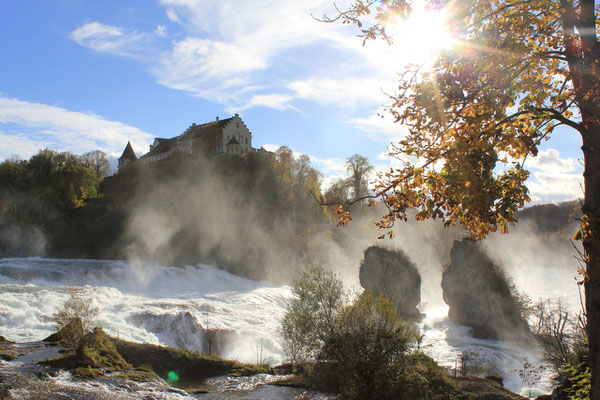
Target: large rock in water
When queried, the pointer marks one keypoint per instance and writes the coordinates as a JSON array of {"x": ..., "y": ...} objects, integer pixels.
[
  {"x": 481, "y": 296},
  {"x": 391, "y": 273}
]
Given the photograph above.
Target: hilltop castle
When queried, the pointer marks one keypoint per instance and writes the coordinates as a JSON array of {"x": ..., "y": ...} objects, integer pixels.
[{"x": 227, "y": 136}]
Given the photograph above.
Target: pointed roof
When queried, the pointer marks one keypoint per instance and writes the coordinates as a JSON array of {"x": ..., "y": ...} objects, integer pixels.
[
  {"x": 208, "y": 128},
  {"x": 233, "y": 140},
  {"x": 128, "y": 153},
  {"x": 160, "y": 146}
]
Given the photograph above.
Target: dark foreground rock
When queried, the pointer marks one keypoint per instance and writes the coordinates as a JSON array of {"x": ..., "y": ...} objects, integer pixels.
[
  {"x": 97, "y": 353},
  {"x": 144, "y": 371},
  {"x": 392, "y": 273},
  {"x": 481, "y": 296},
  {"x": 189, "y": 367}
]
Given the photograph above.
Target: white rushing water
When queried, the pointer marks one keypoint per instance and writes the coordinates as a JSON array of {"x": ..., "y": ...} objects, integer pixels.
[
  {"x": 172, "y": 306},
  {"x": 444, "y": 340},
  {"x": 155, "y": 304}
]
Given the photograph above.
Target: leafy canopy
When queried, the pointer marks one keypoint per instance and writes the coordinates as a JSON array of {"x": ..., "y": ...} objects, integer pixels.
[{"x": 516, "y": 71}]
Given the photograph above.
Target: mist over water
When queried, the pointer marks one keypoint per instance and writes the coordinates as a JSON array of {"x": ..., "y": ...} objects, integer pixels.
[
  {"x": 161, "y": 303},
  {"x": 172, "y": 306}
]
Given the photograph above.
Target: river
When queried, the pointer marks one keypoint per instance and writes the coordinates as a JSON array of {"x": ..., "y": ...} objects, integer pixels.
[{"x": 171, "y": 306}]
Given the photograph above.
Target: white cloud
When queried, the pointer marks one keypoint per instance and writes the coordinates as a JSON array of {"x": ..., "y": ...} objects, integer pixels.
[
  {"x": 399, "y": 160},
  {"x": 555, "y": 187},
  {"x": 172, "y": 15},
  {"x": 381, "y": 126},
  {"x": 550, "y": 161},
  {"x": 19, "y": 145},
  {"x": 161, "y": 30},
  {"x": 347, "y": 92},
  {"x": 267, "y": 53},
  {"x": 26, "y": 127},
  {"x": 271, "y": 147},
  {"x": 554, "y": 179},
  {"x": 330, "y": 180},
  {"x": 212, "y": 58},
  {"x": 329, "y": 166},
  {"x": 275, "y": 101},
  {"x": 228, "y": 50},
  {"x": 116, "y": 40}
]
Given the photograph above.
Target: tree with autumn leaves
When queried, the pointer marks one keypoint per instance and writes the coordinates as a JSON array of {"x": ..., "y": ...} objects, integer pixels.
[{"x": 518, "y": 70}]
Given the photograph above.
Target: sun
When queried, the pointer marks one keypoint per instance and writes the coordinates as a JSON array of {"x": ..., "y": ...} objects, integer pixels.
[{"x": 420, "y": 37}]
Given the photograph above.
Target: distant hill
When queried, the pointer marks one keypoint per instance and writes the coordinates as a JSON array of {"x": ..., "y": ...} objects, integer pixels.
[{"x": 552, "y": 218}]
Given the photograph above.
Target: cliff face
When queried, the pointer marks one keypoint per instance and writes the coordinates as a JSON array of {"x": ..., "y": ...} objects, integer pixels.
[
  {"x": 480, "y": 295},
  {"x": 392, "y": 274}
]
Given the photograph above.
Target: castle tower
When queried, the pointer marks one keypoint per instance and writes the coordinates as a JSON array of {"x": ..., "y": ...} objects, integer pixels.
[{"x": 128, "y": 156}]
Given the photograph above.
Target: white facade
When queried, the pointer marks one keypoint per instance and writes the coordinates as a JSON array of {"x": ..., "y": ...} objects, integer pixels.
[
  {"x": 237, "y": 129},
  {"x": 228, "y": 136}
]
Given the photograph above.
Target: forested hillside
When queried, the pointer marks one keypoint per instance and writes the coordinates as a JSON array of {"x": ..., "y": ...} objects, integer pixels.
[{"x": 221, "y": 209}]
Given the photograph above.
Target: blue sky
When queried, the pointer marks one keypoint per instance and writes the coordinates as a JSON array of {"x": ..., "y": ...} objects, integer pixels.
[{"x": 83, "y": 75}]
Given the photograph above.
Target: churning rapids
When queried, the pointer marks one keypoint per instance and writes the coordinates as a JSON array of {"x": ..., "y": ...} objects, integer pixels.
[{"x": 172, "y": 306}]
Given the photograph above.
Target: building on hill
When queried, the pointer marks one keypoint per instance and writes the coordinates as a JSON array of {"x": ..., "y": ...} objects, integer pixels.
[
  {"x": 226, "y": 136},
  {"x": 127, "y": 156}
]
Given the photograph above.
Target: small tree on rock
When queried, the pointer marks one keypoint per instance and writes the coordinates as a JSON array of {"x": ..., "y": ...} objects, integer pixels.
[{"x": 75, "y": 318}]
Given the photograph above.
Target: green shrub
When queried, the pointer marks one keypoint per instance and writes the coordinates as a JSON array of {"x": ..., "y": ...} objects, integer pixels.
[
  {"x": 368, "y": 341},
  {"x": 580, "y": 381},
  {"x": 313, "y": 314},
  {"x": 420, "y": 378},
  {"x": 361, "y": 346}
]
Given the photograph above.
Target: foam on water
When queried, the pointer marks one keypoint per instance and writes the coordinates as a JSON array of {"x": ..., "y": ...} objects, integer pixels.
[
  {"x": 173, "y": 306},
  {"x": 146, "y": 303},
  {"x": 444, "y": 340}
]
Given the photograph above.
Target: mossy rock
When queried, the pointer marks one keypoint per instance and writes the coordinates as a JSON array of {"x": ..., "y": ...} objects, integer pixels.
[
  {"x": 189, "y": 367},
  {"x": 4, "y": 340},
  {"x": 143, "y": 362},
  {"x": 180, "y": 367},
  {"x": 97, "y": 350}
]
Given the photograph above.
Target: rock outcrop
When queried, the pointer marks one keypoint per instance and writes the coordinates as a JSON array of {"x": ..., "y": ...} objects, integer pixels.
[
  {"x": 481, "y": 296},
  {"x": 391, "y": 273},
  {"x": 69, "y": 335}
]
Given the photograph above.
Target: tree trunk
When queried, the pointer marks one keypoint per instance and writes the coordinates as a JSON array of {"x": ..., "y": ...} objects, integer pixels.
[
  {"x": 591, "y": 245},
  {"x": 582, "y": 51}
]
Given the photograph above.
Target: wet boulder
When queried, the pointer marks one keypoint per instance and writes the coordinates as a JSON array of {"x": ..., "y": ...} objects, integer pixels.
[
  {"x": 481, "y": 296},
  {"x": 390, "y": 272}
]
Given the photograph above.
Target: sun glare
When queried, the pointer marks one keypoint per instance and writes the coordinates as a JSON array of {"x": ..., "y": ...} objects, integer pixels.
[{"x": 419, "y": 38}]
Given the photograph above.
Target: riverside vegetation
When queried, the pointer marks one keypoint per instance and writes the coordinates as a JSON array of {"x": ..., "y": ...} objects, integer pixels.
[
  {"x": 343, "y": 345},
  {"x": 55, "y": 205},
  {"x": 363, "y": 349}
]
